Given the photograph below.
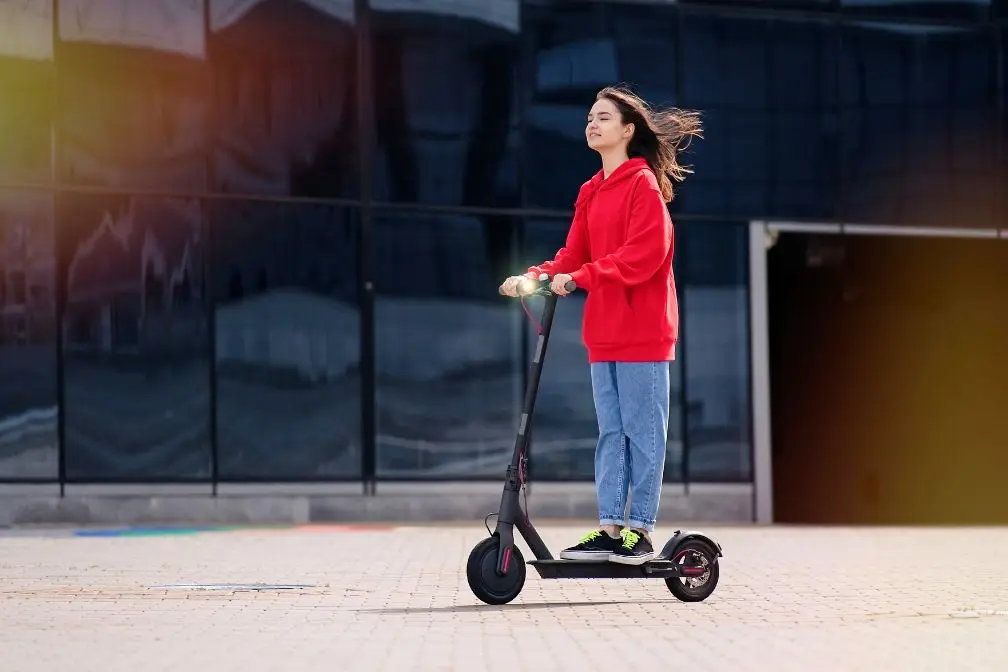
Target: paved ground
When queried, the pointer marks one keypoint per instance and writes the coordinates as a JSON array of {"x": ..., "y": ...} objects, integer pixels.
[{"x": 789, "y": 599}]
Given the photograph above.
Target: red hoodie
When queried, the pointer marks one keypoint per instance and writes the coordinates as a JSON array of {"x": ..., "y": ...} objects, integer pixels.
[{"x": 619, "y": 249}]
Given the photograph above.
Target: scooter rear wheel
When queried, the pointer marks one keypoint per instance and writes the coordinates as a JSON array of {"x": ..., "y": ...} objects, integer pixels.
[
  {"x": 485, "y": 582},
  {"x": 694, "y": 553}
]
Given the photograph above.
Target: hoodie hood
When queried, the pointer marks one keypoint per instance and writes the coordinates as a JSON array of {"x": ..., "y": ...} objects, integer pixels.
[{"x": 626, "y": 171}]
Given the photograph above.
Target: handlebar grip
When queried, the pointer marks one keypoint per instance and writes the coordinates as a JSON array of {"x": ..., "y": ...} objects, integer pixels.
[{"x": 570, "y": 286}]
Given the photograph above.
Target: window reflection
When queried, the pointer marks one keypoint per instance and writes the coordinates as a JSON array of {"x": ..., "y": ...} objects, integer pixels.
[
  {"x": 449, "y": 360},
  {"x": 27, "y": 80},
  {"x": 715, "y": 314},
  {"x": 132, "y": 94},
  {"x": 28, "y": 405},
  {"x": 287, "y": 340},
  {"x": 578, "y": 48},
  {"x": 919, "y": 108},
  {"x": 27, "y": 30},
  {"x": 284, "y": 79},
  {"x": 566, "y": 429},
  {"x": 135, "y": 346},
  {"x": 445, "y": 102},
  {"x": 934, "y": 10},
  {"x": 767, "y": 90}
]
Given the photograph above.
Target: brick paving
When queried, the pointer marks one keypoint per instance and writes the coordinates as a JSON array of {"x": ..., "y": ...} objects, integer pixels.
[{"x": 789, "y": 599}]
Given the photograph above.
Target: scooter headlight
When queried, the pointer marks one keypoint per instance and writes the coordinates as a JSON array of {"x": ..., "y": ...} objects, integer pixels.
[{"x": 526, "y": 286}]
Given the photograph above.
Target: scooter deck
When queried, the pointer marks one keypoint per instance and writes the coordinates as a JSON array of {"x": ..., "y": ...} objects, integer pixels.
[{"x": 603, "y": 569}]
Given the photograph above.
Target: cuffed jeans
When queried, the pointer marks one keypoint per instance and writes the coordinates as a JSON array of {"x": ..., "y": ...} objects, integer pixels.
[{"x": 632, "y": 405}]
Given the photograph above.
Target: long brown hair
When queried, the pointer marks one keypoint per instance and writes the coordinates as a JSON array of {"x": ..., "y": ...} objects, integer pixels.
[{"x": 659, "y": 135}]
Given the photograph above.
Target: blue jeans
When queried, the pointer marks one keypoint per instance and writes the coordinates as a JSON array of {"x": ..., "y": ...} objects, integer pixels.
[{"x": 632, "y": 405}]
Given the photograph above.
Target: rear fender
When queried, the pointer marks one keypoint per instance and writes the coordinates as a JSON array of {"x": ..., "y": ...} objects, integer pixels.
[{"x": 682, "y": 536}]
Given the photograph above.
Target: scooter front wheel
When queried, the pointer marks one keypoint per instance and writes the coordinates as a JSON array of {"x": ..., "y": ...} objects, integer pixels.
[{"x": 485, "y": 582}]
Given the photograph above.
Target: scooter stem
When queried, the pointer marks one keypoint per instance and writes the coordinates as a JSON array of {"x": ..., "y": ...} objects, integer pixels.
[{"x": 510, "y": 508}]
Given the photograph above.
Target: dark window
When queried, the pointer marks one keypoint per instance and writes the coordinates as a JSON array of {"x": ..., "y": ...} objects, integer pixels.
[
  {"x": 767, "y": 90},
  {"x": 566, "y": 429},
  {"x": 136, "y": 351},
  {"x": 446, "y": 105},
  {"x": 449, "y": 354},
  {"x": 714, "y": 280},
  {"x": 577, "y": 48},
  {"x": 284, "y": 115},
  {"x": 287, "y": 323},
  {"x": 919, "y": 114},
  {"x": 28, "y": 403},
  {"x": 28, "y": 84},
  {"x": 132, "y": 103}
]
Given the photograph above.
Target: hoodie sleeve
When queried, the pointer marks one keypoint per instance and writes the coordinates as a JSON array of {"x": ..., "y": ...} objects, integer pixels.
[
  {"x": 575, "y": 253},
  {"x": 649, "y": 239}
]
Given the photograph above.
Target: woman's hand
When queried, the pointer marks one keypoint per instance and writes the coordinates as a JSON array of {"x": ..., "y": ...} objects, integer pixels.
[
  {"x": 558, "y": 282},
  {"x": 510, "y": 286}
]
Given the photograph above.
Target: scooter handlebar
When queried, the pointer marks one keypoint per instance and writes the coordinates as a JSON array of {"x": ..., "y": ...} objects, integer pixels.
[{"x": 540, "y": 287}]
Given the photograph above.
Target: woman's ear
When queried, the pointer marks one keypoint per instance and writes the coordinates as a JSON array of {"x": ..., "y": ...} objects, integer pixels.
[{"x": 628, "y": 130}]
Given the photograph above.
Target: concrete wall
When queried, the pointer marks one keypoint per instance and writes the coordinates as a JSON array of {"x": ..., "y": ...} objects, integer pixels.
[{"x": 299, "y": 504}]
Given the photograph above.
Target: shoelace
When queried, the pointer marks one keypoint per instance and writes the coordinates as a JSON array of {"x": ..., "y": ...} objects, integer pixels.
[
  {"x": 591, "y": 536},
  {"x": 630, "y": 539}
]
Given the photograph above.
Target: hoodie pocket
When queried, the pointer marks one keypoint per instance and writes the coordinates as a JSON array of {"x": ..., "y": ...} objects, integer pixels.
[
  {"x": 608, "y": 317},
  {"x": 653, "y": 318}
]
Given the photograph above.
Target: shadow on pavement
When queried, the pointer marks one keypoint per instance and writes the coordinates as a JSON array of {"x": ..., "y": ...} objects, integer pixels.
[{"x": 463, "y": 608}]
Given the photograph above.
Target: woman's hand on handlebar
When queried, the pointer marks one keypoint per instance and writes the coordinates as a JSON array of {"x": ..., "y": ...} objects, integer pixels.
[
  {"x": 510, "y": 286},
  {"x": 559, "y": 284},
  {"x": 528, "y": 284}
]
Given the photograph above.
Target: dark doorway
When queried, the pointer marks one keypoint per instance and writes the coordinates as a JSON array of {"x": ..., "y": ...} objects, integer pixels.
[{"x": 889, "y": 379}]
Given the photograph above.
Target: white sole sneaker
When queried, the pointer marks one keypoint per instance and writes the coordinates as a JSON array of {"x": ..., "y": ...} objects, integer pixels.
[
  {"x": 595, "y": 556},
  {"x": 630, "y": 559}
]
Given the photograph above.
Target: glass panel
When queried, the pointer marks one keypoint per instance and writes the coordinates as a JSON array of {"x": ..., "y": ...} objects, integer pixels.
[
  {"x": 566, "y": 430},
  {"x": 28, "y": 399},
  {"x": 449, "y": 357},
  {"x": 27, "y": 79},
  {"x": 919, "y": 113},
  {"x": 135, "y": 340},
  {"x": 764, "y": 87},
  {"x": 284, "y": 80},
  {"x": 577, "y": 48},
  {"x": 715, "y": 313},
  {"x": 132, "y": 94},
  {"x": 287, "y": 340},
  {"x": 446, "y": 105}
]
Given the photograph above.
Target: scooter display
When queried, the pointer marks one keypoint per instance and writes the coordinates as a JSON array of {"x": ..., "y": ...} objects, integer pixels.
[{"x": 688, "y": 562}]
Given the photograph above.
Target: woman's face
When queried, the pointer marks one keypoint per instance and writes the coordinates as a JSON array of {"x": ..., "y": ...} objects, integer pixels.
[{"x": 605, "y": 130}]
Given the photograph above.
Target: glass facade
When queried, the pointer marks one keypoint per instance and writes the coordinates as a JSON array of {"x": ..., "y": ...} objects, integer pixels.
[{"x": 260, "y": 240}]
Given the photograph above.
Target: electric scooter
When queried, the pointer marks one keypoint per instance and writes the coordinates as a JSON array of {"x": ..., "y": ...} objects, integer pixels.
[{"x": 496, "y": 569}]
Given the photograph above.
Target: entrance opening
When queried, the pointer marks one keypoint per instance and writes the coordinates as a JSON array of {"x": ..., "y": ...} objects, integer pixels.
[{"x": 888, "y": 379}]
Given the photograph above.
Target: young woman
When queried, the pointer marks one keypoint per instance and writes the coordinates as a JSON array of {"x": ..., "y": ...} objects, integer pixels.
[{"x": 619, "y": 249}]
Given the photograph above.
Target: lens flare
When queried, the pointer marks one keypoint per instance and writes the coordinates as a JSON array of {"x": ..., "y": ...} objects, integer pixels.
[{"x": 526, "y": 286}]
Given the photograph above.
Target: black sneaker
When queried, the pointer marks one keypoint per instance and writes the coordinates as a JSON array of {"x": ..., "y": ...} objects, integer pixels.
[
  {"x": 596, "y": 545},
  {"x": 635, "y": 549}
]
